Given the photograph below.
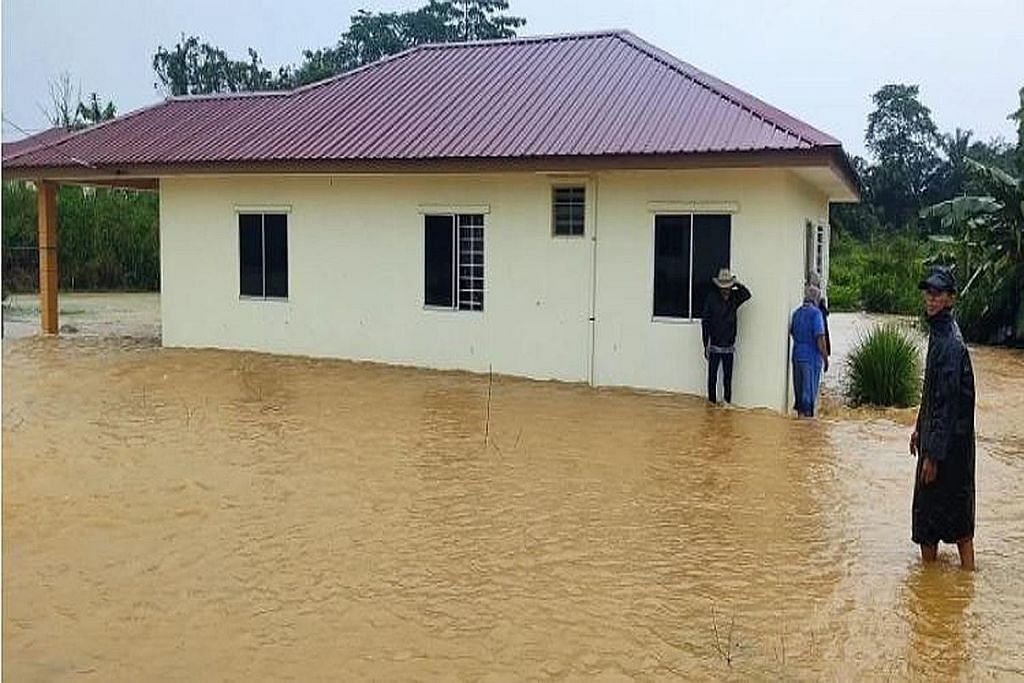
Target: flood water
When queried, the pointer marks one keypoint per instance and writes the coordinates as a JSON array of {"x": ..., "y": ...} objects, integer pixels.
[{"x": 197, "y": 515}]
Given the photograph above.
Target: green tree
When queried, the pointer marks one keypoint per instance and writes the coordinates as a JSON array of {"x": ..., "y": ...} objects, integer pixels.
[
  {"x": 109, "y": 238},
  {"x": 996, "y": 152},
  {"x": 988, "y": 249},
  {"x": 67, "y": 110},
  {"x": 479, "y": 19},
  {"x": 374, "y": 35},
  {"x": 92, "y": 112},
  {"x": 194, "y": 68},
  {"x": 905, "y": 142},
  {"x": 1018, "y": 116},
  {"x": 858, "y": 220},
  {"x": 951, "y": 175}
]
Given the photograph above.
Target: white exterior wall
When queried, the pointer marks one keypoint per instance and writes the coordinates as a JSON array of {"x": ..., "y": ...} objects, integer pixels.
[
  {"x": 356, "y": 275},
  {"x": 767, "y": 253},
  {"x": 355, "y": 269}
]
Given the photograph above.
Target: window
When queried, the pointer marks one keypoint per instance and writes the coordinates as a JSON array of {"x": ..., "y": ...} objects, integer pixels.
[
  {"x": 816, "y": 253},
  {"x": 568, "y": 210},
  {"x": 689, "y": 249},
  {"x": 454, "y": 261},
  {"x": 263, "y": 255}
]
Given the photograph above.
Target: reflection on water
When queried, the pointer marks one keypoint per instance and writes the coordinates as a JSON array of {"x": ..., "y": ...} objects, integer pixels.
[
  {"x": 195, "y": 514},
  {"x": 937, "y": 603}
]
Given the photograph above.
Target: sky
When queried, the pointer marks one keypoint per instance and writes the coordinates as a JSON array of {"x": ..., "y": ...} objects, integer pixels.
[{"x": 818, "y": 60}]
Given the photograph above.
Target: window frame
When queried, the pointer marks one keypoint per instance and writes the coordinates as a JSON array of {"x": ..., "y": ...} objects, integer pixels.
[
  {"x": 692, "y": 210},
  {"x": 263, "y": 211},
  {"x": 456, "y": 258},
  {"x": 820, "y": 250},
  {"x": 552, "y": 206},
  {"x": 816, "y": 246}
]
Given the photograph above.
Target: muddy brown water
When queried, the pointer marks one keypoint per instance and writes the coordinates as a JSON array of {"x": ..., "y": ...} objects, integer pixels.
[{"x": 197, "y": 515}]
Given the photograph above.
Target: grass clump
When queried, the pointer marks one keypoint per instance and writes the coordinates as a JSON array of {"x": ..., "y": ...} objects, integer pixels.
[{"x": 885, "y": 369}]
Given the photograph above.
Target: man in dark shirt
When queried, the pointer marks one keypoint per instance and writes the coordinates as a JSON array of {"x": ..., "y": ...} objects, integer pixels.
[
  {"x": 943, "y": 438},
  {"x": 718, "y": 329}
]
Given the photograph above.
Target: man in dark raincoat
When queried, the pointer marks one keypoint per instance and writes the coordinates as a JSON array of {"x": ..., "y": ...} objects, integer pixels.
[{"x": 943, "y": 439}]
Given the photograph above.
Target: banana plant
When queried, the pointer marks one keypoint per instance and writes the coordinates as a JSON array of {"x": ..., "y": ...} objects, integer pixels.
[{"x": 986, "y": 234}]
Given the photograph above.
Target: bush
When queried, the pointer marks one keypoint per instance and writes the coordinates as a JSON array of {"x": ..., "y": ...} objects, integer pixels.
[
  {"x": 892, "y": 268},
  {"x": 879, "y": 275},
  {"x": 108, "y": 239},
  {"x": 885, "y": 369},
  {"x": 845, "y": 274},
  {"x": 986, "y": 313}
]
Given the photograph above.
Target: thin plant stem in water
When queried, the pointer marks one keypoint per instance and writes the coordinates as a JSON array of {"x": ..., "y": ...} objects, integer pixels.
[
  {"x": 726, "y": 651},
  {"x": 487, "y": 420}
]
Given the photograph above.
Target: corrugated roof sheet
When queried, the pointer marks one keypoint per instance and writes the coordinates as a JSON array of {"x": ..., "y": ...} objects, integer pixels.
[
  {"x": 606, "y": 93},
  {"x": 47, "y": 137}
]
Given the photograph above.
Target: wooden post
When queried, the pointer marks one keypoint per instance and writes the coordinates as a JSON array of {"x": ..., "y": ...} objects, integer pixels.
[{"x": 47, "y": 202}]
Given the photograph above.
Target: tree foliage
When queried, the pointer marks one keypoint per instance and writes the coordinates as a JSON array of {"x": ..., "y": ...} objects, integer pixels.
[
  {"x": 92, "y": 111},
  {"x": 109, "y": 238},
  {"x": 1018, "y": 116},
  {"x": 987, "y": 246},
  {"x": 905, "y": 142},
  {"x": 67, "y": 110},
  {"x": 194, "y": 67}
]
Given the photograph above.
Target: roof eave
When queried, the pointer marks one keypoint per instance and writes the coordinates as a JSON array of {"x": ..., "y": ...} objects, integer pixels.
[{"x": 833, "y": 158}]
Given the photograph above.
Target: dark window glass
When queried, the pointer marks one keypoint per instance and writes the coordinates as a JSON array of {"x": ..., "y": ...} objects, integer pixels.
[
  {"x": 439, "y": 261},
  {"x": 275, "y": 240},
  {"x": 808, "y": 249},
  {"x": 672, "y": 266},
  {"x": 711, "y": 242},
  {"x": 250, "y": 254},
  {"x": 569, "y": 209}
]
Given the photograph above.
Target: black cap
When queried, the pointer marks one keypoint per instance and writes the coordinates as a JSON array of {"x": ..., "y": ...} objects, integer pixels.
[{"x": 940, "y": 278}]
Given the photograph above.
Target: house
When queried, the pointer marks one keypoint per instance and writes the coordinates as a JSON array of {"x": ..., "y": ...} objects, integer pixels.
[{"x": 550, "y": 207}]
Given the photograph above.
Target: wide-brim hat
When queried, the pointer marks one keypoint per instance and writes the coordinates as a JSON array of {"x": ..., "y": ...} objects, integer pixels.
[
  {"x": 939, "y": 278},
  {"x": 725, "y": 279}
]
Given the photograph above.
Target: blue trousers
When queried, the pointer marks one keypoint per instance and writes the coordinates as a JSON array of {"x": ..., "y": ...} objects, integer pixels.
[{"x": 806, "y": 377}]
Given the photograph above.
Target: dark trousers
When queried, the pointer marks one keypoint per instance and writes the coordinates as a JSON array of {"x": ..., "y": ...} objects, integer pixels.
[{"x": 714, "y": 359}]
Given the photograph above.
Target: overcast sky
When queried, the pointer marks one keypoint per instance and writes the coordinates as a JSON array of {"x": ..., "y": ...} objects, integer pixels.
[{"x": 819, "y": 60}]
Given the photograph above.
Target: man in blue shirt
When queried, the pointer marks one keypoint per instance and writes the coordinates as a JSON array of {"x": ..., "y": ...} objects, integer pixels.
[{"x": 810, "y": 352}]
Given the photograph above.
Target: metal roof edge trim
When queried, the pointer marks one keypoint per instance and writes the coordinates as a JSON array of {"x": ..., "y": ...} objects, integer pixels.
[{"x": 556, "y": 163}]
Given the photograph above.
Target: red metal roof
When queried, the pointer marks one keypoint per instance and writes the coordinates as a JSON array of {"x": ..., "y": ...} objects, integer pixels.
[
  {"x": 47, "y": 137},
  {"x": 606, "y": 93}
]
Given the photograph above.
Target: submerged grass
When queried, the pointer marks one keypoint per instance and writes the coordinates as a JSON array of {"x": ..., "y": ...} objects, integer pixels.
[{"x": 885, "y": 369}]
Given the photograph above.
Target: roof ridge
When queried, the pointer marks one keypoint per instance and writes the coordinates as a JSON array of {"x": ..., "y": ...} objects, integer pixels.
[
  {"x": 542, "y": 38},
  {"x": 452, "y": 46},
  {"x": 193, "y": 97},
  {"x": 756, "y": 106},
  {"x": 551, "y": 37}
]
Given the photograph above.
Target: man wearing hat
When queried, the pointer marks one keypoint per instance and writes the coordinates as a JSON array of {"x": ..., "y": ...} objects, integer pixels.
[
  {"x": 943, "y": 439},
  {"x": 718, "y": 329}
]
